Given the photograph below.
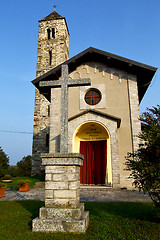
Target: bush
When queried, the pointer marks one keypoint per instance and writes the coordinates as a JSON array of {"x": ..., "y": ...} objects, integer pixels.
[
  {"x": 13, "y": 171},
  {"x": 21, "y": 182},
  {"x": 25, "y": 166},
  {"x": 6, "y": 177},
  {"x": 144, "y": 164},
  {"x": 4, "y": 163}
]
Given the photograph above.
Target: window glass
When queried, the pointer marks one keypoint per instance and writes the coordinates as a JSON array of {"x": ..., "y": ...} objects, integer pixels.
[{"x": 93, "y": 96}]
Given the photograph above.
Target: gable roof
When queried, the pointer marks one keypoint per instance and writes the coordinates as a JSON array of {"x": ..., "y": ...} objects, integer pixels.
[
  {"x": 143, "y": 72},
  {"x": 51, "y": 16},
  {"x": 99, "y": 113}
]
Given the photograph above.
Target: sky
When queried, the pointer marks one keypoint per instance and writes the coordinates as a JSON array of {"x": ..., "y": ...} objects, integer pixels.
[{"x": 127, "y": 28}]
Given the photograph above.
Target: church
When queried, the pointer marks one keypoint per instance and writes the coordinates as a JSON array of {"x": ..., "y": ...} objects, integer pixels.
[{"x": 103, "y": 117}]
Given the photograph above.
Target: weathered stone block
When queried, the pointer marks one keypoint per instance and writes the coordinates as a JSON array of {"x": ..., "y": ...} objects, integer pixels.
[
  {"x": 50, "y": 225},
  {"x": 48, "y": 177},
  {"x": 66, "y": 194},
  {"x": 48, "y": 193},
  {"x": 74, "y": 185},
  {"x": 63, "y": 214},
  {"x": 55, "y": 169},
  {"x": 61, "y": 203},
  {"x": 56, "y": 185}
]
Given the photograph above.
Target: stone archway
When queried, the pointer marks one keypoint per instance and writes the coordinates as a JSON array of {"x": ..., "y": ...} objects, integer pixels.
[
  {"x": 92, "y": 140},
  {"x": 111, "y": 125}
]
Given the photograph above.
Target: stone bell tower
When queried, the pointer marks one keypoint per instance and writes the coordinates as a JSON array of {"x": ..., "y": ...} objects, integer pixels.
[{"x": 53, "y": 49}]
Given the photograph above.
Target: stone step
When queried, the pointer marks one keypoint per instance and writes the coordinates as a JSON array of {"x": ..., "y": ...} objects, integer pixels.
[
  {"x": 53, "y": 225},
  {"x": 61, "y": 214},
  {"x": 95, "y": 187}
]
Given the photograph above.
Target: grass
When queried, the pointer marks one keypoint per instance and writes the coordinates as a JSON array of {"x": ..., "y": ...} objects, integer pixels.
[
  {"x": 14, "y": 183},
  {"x": 110, "y": 220}
]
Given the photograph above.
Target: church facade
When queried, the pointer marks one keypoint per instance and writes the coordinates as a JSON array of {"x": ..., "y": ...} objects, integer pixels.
[{"x": 103, "y": 118}]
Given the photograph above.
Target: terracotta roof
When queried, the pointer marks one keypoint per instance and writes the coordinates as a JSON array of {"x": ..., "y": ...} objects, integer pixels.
[{"x": 143, "y": 72}]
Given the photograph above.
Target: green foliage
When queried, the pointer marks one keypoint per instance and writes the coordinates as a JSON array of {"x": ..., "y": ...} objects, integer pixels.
[
  {"x": 13, "y": 171},
  {"x": 25, "y": 166},
  {"x": 15, "y": 180},
  {"x": 21, "y": 182},
  {"x": 6, "y": 177},
  {"x": 144, "y": 164},
  {"x": 4, "y": 163},
  {"x": 108, "y": 220},
  {"x": 2, "y": 185}
]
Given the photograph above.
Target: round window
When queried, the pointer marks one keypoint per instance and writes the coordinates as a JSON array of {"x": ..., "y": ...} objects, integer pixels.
[{"x": 93, "y": 96}]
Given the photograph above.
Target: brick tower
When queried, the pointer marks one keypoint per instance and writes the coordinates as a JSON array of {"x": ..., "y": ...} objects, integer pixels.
[{"x": 53, "y": 49}]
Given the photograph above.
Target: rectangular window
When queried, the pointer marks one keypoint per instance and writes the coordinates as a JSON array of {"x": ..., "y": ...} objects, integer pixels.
[
  {"x": 48, "y": 33},
  {"x": 47, "y": 140},
  {"x": 53, "y": 33},
  {"x": 50, "y": 57}
]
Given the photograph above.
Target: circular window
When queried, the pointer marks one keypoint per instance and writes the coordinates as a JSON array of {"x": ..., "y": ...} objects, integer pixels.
[{"x": 93, "y": 96}]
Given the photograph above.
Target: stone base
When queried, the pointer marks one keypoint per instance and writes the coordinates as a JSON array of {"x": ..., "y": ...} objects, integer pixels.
[
  {"x": 63, "y": 211},
  {"x": 57, "y": 225}
]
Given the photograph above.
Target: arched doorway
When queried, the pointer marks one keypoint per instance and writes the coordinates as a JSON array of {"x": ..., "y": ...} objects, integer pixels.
[{"x": 92, "y": 140}]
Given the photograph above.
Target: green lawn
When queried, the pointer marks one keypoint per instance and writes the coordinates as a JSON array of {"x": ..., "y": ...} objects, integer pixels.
[
  {"x": 14, "y": 183},
  {"x": 114, "y": 220}
]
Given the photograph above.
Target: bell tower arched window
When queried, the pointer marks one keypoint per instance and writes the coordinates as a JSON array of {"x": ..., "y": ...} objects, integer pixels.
[
  {"x": 48, "y": 33},
  {"x": 53, "y": 33},
  {"x": 50, "y": 57}
]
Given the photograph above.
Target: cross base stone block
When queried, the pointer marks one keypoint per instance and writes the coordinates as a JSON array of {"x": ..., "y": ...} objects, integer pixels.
[
  {"x": 63, "y": 211},
  {"x": 59, "y": 225}
]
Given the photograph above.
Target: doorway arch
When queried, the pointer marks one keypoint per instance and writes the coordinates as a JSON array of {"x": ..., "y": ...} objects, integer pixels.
[{"x": 92, "y": 139}]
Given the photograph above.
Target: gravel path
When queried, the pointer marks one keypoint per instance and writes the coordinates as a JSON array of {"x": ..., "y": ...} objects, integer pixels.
[{"x": 86, "y": 195}]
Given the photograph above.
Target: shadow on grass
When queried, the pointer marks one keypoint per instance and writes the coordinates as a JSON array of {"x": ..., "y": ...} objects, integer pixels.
[
  {"x": 32, "y": 206},
  {"x": 144, "y": 211}
]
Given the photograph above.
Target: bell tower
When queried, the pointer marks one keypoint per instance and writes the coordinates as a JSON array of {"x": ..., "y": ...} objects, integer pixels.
[{"x": 53, "y": 49}]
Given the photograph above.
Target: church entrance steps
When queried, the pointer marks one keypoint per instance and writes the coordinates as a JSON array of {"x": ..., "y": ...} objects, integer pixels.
[{"x": 95, "y": 188}]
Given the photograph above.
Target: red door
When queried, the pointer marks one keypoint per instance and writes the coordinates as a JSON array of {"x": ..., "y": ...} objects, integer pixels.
[{"x": 93, "y": 170}]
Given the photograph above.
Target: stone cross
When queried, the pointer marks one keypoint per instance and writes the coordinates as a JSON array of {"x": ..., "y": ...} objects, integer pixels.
[{"x": 64, "y": 84}]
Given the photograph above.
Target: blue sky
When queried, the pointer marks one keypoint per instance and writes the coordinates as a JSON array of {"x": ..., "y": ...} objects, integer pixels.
[{"x": 127, "y": 28}]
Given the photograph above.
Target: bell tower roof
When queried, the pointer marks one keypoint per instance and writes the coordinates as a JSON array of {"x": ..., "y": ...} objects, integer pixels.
[{"x": 52, "y": 16}]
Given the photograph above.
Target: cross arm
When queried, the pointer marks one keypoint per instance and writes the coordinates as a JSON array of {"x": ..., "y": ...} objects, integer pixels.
[
  {"x": 79, "y": 82},
  {"x": 51, "y": 83},
  {"x": 70, "y": 83}
]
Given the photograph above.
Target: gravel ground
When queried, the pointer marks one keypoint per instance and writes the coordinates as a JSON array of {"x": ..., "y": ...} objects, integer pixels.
[{"x": 85, "y": 195}]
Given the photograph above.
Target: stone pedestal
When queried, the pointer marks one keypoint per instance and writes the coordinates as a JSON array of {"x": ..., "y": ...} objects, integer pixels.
[{"x": 63, "y": 211}]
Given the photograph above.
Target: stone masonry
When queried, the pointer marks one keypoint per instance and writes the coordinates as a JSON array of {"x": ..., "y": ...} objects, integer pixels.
[
  {"x": 63, "y": 211},
  {"x": 51, "y": 52}
]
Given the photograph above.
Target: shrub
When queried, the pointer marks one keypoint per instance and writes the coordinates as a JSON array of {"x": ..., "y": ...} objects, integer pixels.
[
  {"x": 144, "y": 164},
  {"x": 2, "y": 185},
  {"x": 25, "y": 166},
  {"x": 4, "y": 163},
  {"x": 21, "y": 182},
  {"x": 6, "y": 177}
]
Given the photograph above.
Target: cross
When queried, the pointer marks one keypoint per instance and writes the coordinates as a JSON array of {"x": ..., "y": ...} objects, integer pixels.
[
  {"x": 64, "y": 84},
  {"x": 54, "y": 8}
]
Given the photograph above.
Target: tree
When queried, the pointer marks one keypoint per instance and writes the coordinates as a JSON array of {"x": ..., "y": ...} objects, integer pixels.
[
  {"x": 4, "y": 163},
  {"x": 25, "y": 166},
  {"x": 144, "y": 164}
]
